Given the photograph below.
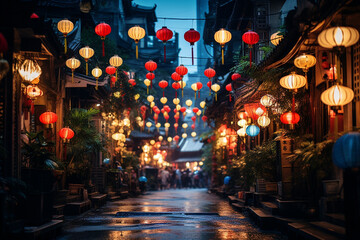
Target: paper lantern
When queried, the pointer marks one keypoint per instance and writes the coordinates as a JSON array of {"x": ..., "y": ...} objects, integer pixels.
[
  {"x": 338, "y": 37},
  {"x": 184, "y": 126},
  {"x": 293, "y": 81},
  {"x": 176, "y": 86},
  {"x": 199, "y": 86},
  {"x": 195, "y": 110},
  {"x": 151, "y": 66},
  {"x": 184, "y": 135},
  {"x": 103, "y": 29},
  {"x": 267, "y": 100},
  {"x": 164, "y": 34},
  {"x": 222, "y": 37},
  {"x": 163, "y": 100},
  {"x": 167, "y": 125},
  {"x": 48, "y": 118},
  {"x": 194, "y": 88},
  {"x": 202, "y": 104},
  {"x": 30, "y": 70},
  {"x": 181, "y": 70},
  {"x": 290, "y": 118},
  {"x": 235, "y": 76},
  {"x": 242, "y": 123},
  {"x": 33, "y": 92},
  {"x": 198, "y": 113},
  {"x": 188, "y": 103},
  {"x": 241, "y": 132},
  {"x": 147, "y": 83},
  {"x": 208, "y": 84},
  {"x": 136, "y": 33},
  {"x": 259, "y": 111},
  {"x": 116, "y": 61},
  {"x": 132, "y": 82},
  {"x": 73, "y": 64},
  {"x": 193, "y": 134},
  {"x": 276, "y": 38},
  {"x": 136, "y": 97},
  {"x": 209, "y": 73},
  {"x": 150, "y": 76},
  {"x": 66, "y": 134},
  {"x": 178, "y": 107},
  {"x": 250, "y": 38},
  {"x": 251, "y": 110},
  {"x": 192, "y": 36},
  {"x": 263, "y": 121},
  {"x": 65, "y": 27},
  {"x": 305, "y": 62},
  {"x": 346, "y": 151},
  {"x": 96, "y": 72},
  {"x": 228, "y": 88},
  {"x": 242, "y": 115},
  {"x": 169, "y": 139},
  {"x": 148, "y": 125},
  {"x": 150, "y": 98},
  {"x": 163, "y": 84},
  {"x": 86, "y": 52},
  {"x": 204, "y": 118},
  {"x": 158, "y": 125},
  {"x": 215, "y": 87},
  {"x": 252, "y": 130},
  {"x": 337, "y": 95},
  {"x": 176, "y": 138},
  {"x": 175, "y": 76},
  {"x": 176, "y": 101},
  {"x": 161, "y": 138},
  {"x": 182, "y": 86}
]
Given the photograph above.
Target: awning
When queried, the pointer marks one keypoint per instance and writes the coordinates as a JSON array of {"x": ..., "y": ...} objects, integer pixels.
[
  {"x": 181, "y": 160},
  {"x": 191, "y": 145}
]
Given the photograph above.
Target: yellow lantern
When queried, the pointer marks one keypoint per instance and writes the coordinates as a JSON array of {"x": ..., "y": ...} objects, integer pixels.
[
  {"x": 276, "y": 38},
  {"x": 259, "y": 111},
  {"x": 188, "y": 103},
  {"x": 167, "y": 125},
  {"x": 118, "y": 137},
  {"x": 176, "y": 101},
  {"x": 152, "y": 142},
  {"x": 242, "y": 123},
  {"x": 148, "y": 125},
  {"x": 305, "y": 62},
  {"x": 33, "y": 92},
  {"x": 215, "y": 87},
  {"x": 152, "y": 104},
  {"x": 147, "y": 83},
  {"x": 96, "y": 72},
  {"x": 241, "y": 132},
  {"x": 117, "y": 94},
  {"x": 73, "y": 64},
  {"x": 193, "y": 134},
  {"x": 267, "y": 100},
  {"x": 86, "y": 52},
  {"x": 222, "y": 37},
  {"x": 293, "y": 81},
  {"x": 65, "y": 27},
  {"x": 194, "y": 87},
  {"x": 198, "y": 113},
  {"x": 263, "y": 121},
  {"x": 136, "y": 33},
  {"x": 150, "y": 98},
  {"x": 184, "y": 135},
  {"x": 178, "y": 107},
  {"x": 136, "y": 96},
  {"x": 182, "y": 86},
  {"x": 116, "y": 62},
  {"x": 161, "y": 138},
  {"x": 337, "y": 95},
  {"x": 163, "y": 100},
  {"x": 30, "y": 70},
  {"x": 158, "y": 125},
  {"x": 169, "y": 139},
  {"x": 202, "y": 104},
  {"x": 338, "y": 37}
]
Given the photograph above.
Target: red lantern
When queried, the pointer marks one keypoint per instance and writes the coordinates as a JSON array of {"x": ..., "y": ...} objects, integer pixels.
[
  {"x": 209, "y": 73},
  {"x": 166, "y": 118},
  {"x": 250, "y": 38},
  {"x": 181, "y": 70},
  {"x": 235, "y": 76},
  {"x": 162, "y": 110},
  {"x": 290, "y": 118},
  {"x": 150, "y": 76},
  {"x": 113, "y": 80},
  {"x": 175, "y": 76},
  {"x": 103, "y": 29},
  {"x": 110, "y": 70},
  {"x": 209, "y": 86},
  {"x": 182, "y": 109},
  {"x": 204, "y": 118},
  {"x": 163, "y": 84},
  {"x": 195, "y": 110},
  {"x": 176, "y": 138},
  {"x": 156, "y": 117},
  {"x": 251, "y": 110},
  {"x": 3, "y": 44},
  {"x": 199, "y": 86},
  {"x": 66, "y": 134},
  {"x": 193, "y": 126},
  {"x": 229, "y": 89},
  {"x": 151, "y": 66},
  {"x": 48, "y": 118},
  {"x": 164, "y": 34},
  {"x": 192, "y": 36},
  {"x": 193, "y": 118},
  {"x": 132, "y": 82},
  {"x": 34, "y": 16},
  {"x": 176, "y": 86},
  {"x": 176, "y": 117}
]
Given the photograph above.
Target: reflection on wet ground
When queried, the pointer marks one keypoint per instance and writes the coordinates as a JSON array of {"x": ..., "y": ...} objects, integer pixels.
[{"x": 173, "y": 214}]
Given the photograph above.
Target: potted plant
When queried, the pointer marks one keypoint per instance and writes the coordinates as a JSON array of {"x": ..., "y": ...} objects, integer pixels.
[{"x": 39, "y": 162}]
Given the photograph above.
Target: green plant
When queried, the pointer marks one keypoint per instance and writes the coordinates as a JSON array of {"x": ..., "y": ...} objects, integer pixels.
[
  {"x": 37, "y": 152},
  {"x": 129, "y": 159}
]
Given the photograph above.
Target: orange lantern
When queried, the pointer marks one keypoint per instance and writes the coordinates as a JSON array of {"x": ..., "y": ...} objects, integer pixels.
[
  {"x": 48, "y": 118},
  {"x": 66, "y": 134}
]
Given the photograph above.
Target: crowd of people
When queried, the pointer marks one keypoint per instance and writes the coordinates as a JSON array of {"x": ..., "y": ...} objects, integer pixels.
[{"x": 178, "y": 179}]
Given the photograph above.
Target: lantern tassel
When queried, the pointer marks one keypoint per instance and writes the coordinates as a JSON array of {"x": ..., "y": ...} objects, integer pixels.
[
  {"x": 87, "y": 67},
  {"x": 229, "y": 97},
  {"x": 199, "y": 94},
  {"x": 306, "y": 85},
  {"x": 209, "y": 91},
  {"x": 163, "y": 93},
  {"x": 65, "y": 44},
  {"x": 192, "y": 55},
  {"x": 150, "y": 84},
  {"x": 164, "y": 52},
  {"x": 195, "y": 95},
  {"x": 137, "y": 51},
  {"x": 147, "y": 90},
  {"x": 215, "y": 97},
  {"x": 72, "y": 75},
  {"x": 103, "y": 47},
  {"x": 96, "y": 86},
  {"x": 176, "y": 94},
  {"x": 293, "y": 105},
  {"x": 32, "y": 108},
  {"x": 222, "y": 55},
  {"x": 250, "y": 56},
  {"x": 116, "y": 74}
]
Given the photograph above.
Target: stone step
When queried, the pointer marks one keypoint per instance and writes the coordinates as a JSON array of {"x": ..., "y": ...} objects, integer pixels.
[
  {"x": 330, "y": 228},
  {"x": 48, "y": 230},
  {"x": 76, "y": 208},
  {"x": 58, "y": 217},
  {"x": 336, "y": 218},
  {"x": 233, "y": 199},
  {"x": 270, "y": 207},
  {"x": 58, "y": 209},
  {"x": 262, "y": 218},
  {"x": 306, "y": 231},
  {"x": 238, "y": 206}
]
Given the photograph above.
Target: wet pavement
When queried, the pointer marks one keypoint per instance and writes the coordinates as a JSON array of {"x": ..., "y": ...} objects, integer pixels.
[{"x": 170, "y": 214}]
